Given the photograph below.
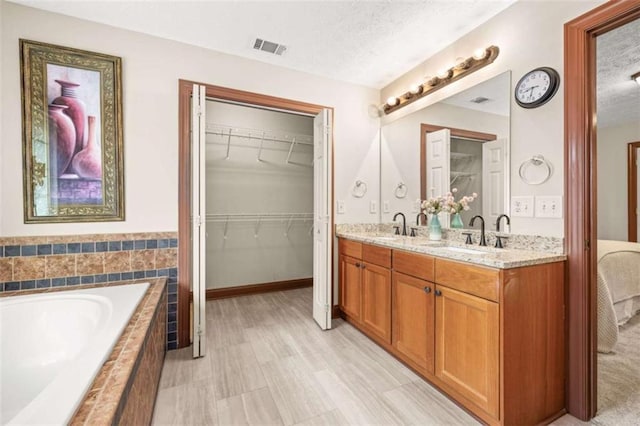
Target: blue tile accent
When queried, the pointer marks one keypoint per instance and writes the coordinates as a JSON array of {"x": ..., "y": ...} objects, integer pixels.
[
  {"x": 27, "y": 285},
  {"x": 30, "y": 250},
  {"x": 172, "y": 298},
  {"x": 172, "y": 336},
  {"x": 151, "y": 244},
  {"x": 58, "y": 282},
  {"x": 164, "y": 243},
  {"x": 172, "y": 345},
  {"x": 44, "y": 249},
  {"x": 139, "y": 244},
  {"x": 173, "y": 307},
  {"x": 138, "y": 274},
  {"x": 88, "y": 247},
  {"x": 87, "y": 279},
  {"x": 172, "y": 326},
  {"x": 127, "y": 245},
  {"x": 44, "y": 283},
  {"x": 126, "y": 276},
  {"x": 1, "y": 251},
  {"x": 10, "y": 251},
  {"x": 151, "y": 274},
  {"x": 1, "y": 287},
  {"x": 173, "y": 242},
  {"x": 59, "y": 249},
  {"x": 172, "y": 288},
  {"x": 114, "y": 277},
  {"x": 173, "y": 272},
  {"x": 12, "y": 286},
  {"x": 101, "y": 278},
  {"x": 73, "y": 280},
  {"x": 163, "y": 272},
  {"x": 102, "y": 246},
  {"x": 73, "y": 248},
  {"x": 115, "y": 246},
  {"x": 172, "y": 317}
]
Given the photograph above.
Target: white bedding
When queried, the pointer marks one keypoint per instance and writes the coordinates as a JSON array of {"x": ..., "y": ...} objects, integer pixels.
[{"x": 618, "y": 288}]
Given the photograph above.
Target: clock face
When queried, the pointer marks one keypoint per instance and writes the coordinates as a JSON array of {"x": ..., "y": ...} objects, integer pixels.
[{"x": 536, "y": 87}]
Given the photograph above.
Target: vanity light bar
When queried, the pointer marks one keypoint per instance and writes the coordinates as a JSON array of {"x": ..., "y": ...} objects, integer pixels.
[{"x": 462, "y": 68}]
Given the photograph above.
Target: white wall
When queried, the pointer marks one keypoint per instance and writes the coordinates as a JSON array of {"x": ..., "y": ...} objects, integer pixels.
[
  {"x": 612, "y": 179},
  {"x": 529, "y": 35},
  {"x": 400, "y": 150},
  {"x": 242, "y": 184},
  {"x": 151, "y": 69}
]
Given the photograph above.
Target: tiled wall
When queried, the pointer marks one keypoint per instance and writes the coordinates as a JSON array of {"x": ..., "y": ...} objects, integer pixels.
[{"x": 41, "y": 262}]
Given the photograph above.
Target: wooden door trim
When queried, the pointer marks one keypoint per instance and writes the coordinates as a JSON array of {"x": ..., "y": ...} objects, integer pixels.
[
  {"x": 581, "y": 199},
  {"x": 632, "y": 190},
  {"x": 460, "y": 133},
  {"x": 185, "y": 89}
]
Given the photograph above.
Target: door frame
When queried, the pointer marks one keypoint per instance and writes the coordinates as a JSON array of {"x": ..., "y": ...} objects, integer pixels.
[
  {"x": 632, "y": 190},
  {"x": 581, "y": 197},
  {"x": 185, "y": 89}
]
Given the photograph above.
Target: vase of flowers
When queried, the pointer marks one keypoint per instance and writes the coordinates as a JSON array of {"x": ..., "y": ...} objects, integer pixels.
[
  {"x": 434, "y": 206},
  {"x": 455, "y": 207}
]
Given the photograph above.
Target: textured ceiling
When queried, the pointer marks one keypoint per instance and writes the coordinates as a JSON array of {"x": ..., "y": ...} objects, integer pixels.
[
  {"x": 363, "y": 42},
  {"x": 497, "y": 90},
  {"x": 618, "y": 56}
]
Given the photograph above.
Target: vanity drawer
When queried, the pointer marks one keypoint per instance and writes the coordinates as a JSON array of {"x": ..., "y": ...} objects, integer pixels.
[
  {"x": 376, "y": 255},
  {"x": 416, "y": 265},
  {"x": 350, "y": 248},
  {"x": 476, "y": 280}
]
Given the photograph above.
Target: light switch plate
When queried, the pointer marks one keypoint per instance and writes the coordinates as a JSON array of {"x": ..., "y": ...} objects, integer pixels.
[
  {"x": 373, "y": 207},
  {"x": 549, "y": 206},
  {"x": 340, "y": 207},
  {"x": 522, "y": 206},
  {"x": 386, "y": 206}
]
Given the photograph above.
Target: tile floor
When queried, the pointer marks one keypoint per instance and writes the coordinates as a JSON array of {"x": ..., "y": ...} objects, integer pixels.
[{"x": 268, "y": 363}]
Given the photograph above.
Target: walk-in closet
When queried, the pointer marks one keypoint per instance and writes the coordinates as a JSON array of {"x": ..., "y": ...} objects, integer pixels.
[{"x": 259, "y": 196}]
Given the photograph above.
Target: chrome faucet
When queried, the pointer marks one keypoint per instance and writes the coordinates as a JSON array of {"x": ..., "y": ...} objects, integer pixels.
[
  {"x": 498, "y": 221},
  {"x": 404, "y": 222},
  {"x": 418, "y": 218},
  {"x": 483, "y": 241}
]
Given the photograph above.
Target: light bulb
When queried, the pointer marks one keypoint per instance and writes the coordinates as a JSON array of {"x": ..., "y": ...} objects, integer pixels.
[
  {"x": 392, "y": 101},
  {"x": 479, "y": 54},
  {"x": 461, "y": 63},
  {"x": 636, "y": 77},
  {"x": 444, "y": 74},
  {"x": 415, "y": 89}
]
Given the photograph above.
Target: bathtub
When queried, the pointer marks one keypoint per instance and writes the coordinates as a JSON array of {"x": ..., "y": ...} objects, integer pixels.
[{"x": 53, "y": 345}]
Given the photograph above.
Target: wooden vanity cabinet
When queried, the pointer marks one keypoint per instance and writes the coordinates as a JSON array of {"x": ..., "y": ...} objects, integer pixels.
[
  {"x": 491, "y": 339},
  {"x": 365, "y": 287}
]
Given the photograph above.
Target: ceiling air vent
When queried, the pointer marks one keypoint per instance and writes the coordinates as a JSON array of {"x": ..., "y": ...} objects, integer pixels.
[
  {"x": 269, "y": 46},
  {"x": 479, "y": 100}
]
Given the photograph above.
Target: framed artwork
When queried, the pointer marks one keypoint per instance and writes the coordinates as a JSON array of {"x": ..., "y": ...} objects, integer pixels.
[{"x": 72, "y": 134}]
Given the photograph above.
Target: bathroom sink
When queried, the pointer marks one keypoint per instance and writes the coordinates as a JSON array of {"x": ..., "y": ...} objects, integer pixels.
[{"x": 465, "y": 250}]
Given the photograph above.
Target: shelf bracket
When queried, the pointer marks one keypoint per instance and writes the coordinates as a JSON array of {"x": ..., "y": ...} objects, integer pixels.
[
  {"x": 260, "y": 150},
  {"x": 293, "y": 143},
  {"x": 228, "y": 144},
  {"x": 257, "y": 229}
]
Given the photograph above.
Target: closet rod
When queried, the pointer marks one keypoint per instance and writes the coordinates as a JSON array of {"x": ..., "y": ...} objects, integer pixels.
[
  {"x": 258, "y": 135},
  {"x": 257, "y": 215}
]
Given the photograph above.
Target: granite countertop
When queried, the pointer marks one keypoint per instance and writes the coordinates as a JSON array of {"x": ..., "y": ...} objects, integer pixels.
[{"x": 455, "y": 250}]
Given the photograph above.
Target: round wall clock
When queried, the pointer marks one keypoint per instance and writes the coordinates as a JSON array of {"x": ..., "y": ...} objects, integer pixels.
[{"x": 537, "y": 87}]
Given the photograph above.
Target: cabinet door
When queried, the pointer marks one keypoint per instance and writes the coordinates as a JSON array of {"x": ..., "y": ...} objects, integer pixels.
[
  {"x": 467, "y": 345},
  {"x": 376, "y": 300},
  {"x": 350, "y": 286},
  {"x": 414, "y": 319}
]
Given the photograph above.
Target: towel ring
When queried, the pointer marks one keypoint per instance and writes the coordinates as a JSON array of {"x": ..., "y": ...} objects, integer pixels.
[
  {"x": 401, "y": 190},
  {"x": 528, "y": 172},
  {"x": 359, "y": 189}
]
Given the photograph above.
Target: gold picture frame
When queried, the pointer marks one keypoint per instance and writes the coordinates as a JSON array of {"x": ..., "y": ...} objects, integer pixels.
[{"x": 72, "y": 134}]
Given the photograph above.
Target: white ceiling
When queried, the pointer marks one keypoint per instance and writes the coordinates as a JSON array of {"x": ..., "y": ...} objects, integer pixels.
[
  {"x": 618, "y": 57},
  {"x": 497, "y": 90},
  {"x": 363, "y": 42}
]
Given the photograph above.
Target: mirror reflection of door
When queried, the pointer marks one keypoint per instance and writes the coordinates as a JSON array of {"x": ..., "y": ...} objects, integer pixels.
[{"x": 618, "y": 253}]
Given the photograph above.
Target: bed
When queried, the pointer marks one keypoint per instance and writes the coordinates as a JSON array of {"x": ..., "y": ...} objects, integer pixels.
[{"x": 618, "y": 289}]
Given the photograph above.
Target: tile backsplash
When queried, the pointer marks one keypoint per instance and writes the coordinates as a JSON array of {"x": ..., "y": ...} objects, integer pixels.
[{"x": 41, "y": 262}]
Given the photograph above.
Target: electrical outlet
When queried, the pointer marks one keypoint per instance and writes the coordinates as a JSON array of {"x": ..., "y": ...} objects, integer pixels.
[
  {"x": 549, "y": 206},
  {"x": 340, "y": 207},
  {"x": 416, "y": 206},
  {"x": 386, "y": 206},
  {"x": 522, "y": 206},
  {"x": 373, "y": 206}
]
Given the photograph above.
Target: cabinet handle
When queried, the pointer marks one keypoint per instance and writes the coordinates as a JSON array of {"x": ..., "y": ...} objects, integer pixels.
[
  {"x": 357, "y": 265},
  {"x": 427, "y": 290},
  {"x": 363, "y": 266},
  {"x": 438, "y": 293}
]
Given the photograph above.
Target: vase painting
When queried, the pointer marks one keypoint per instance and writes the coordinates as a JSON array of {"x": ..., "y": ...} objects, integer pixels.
[{"x": 75, "y": 94}]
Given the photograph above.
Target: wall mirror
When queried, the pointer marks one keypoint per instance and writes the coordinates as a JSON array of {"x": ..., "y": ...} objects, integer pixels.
[{"x": 460, "y": 142}]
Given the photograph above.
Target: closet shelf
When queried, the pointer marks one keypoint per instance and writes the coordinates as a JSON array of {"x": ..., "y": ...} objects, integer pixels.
[
  {"x": 258, "y": 134},
  {"x": 460, "y": 156}
]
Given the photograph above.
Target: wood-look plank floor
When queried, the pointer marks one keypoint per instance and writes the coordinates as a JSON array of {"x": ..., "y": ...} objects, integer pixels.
[{"x": 268, "y": 363}]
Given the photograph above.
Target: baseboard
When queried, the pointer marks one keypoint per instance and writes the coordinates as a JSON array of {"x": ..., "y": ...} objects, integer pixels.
[
  {"x": 244, "y": 290},
  {"x": 335, "y": 312}
]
